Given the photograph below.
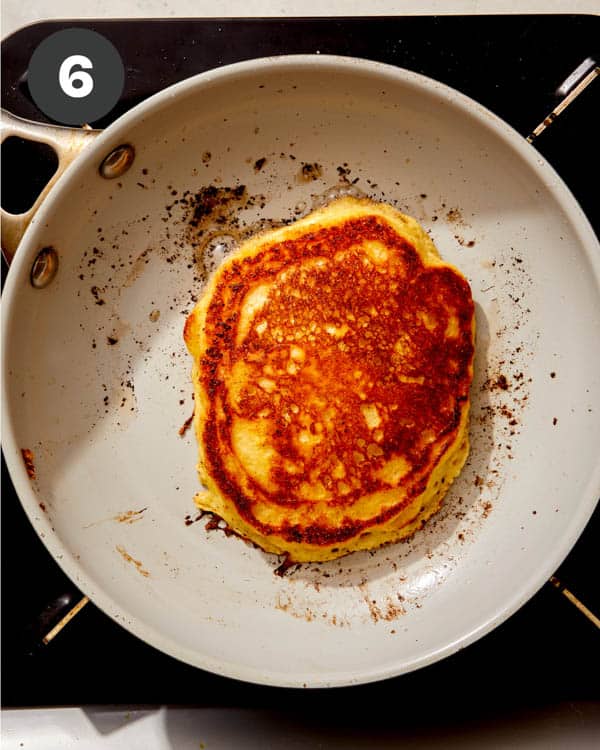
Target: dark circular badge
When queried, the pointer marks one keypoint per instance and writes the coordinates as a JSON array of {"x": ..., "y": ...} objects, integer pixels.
[{"x": 76, "y": 76}]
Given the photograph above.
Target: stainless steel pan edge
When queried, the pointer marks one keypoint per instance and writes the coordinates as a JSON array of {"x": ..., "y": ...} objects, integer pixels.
[{"x": 19, "y": 276}]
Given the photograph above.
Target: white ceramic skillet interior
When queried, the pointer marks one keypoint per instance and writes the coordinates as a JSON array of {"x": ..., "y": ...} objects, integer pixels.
[{"x": 102, "y": 420}]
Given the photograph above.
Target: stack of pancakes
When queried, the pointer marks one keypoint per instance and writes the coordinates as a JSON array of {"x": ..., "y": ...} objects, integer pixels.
[{"x": 332, "y": 360}]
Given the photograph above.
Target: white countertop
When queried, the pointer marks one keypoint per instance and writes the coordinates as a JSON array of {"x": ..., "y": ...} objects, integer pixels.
[
  {"x": 16, "y": 13},
  {"x": 566, "y": 725}
]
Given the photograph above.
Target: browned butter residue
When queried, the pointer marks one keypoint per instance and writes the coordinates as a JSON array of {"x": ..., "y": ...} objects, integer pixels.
[
  {"x": 186, "y": 425},
  {"x": 28, "y": 461},
  {"x": 130, "y": 516},
  {"x": 285, "y": 604},
  {"x": 387, "y": 611},
  {"x": 310, "y": 172},
  {"x": 189, "y": 520},
  {"x": 128, "y": 558},
  {"x": 284, "y": 566}
]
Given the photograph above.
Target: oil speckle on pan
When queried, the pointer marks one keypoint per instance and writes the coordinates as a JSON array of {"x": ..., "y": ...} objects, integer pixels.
[
  {"x": 126, "y": 517},
  {"x": 130, "y": 516},
  {"x": 136, "y": 563},
  {"x": 388, "y": 610}
]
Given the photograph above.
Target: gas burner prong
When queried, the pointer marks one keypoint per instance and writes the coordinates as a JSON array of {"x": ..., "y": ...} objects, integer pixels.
[
  {"x": 559, "y": 585},
  {"x": 576, "y": 76},
  {"x": 573, "y": 85}
]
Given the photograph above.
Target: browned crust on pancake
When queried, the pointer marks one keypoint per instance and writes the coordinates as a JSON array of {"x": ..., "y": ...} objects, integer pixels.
[{"x": 426, "y": 383}]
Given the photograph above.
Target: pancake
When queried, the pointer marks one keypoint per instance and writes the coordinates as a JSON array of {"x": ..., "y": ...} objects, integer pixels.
[{"x": 332, "y": 360}]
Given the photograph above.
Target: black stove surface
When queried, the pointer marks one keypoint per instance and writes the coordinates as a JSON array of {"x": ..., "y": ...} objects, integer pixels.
[{"x": 547, "y": 653}]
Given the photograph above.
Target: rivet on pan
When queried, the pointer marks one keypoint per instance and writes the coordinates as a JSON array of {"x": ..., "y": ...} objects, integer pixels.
[
  {"x": 44, "y": 267},
  {"x": 117, "y": 162}
]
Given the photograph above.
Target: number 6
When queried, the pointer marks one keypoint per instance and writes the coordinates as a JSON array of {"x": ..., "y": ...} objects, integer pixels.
[{"x": 66, "y": 78}]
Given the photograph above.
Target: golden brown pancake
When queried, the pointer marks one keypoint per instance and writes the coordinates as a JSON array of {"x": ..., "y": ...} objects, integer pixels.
[{"x": 332, "y": 360}]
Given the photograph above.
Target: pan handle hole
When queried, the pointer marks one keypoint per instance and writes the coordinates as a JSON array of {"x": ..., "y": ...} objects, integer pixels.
[{"x": 27, "y": 166}]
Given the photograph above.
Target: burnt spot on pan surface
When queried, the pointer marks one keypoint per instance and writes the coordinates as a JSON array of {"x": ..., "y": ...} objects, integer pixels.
[
  {"x": 97, "y": 293},
  {"x": 212, "y": 204},
  {"x": 27, "y": 456},
  {"x": 189, "y": 520},
  {"x": 216, "y": 523},
  {"x": 310, "y": 171},
  {"x": 284, "y": 566},
  {"x": 186, "y": 425},
  {"x": 204, "y": 225}
]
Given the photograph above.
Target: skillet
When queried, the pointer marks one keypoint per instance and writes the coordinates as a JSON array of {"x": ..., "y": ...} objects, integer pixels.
[{"x": 96, "y": 378}]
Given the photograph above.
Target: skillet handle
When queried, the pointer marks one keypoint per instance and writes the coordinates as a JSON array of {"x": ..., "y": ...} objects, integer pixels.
[{"x": 67, "y": 144}]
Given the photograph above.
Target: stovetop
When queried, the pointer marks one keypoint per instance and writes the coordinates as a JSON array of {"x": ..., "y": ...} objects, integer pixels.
[{"x": 544, "y": 654}]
